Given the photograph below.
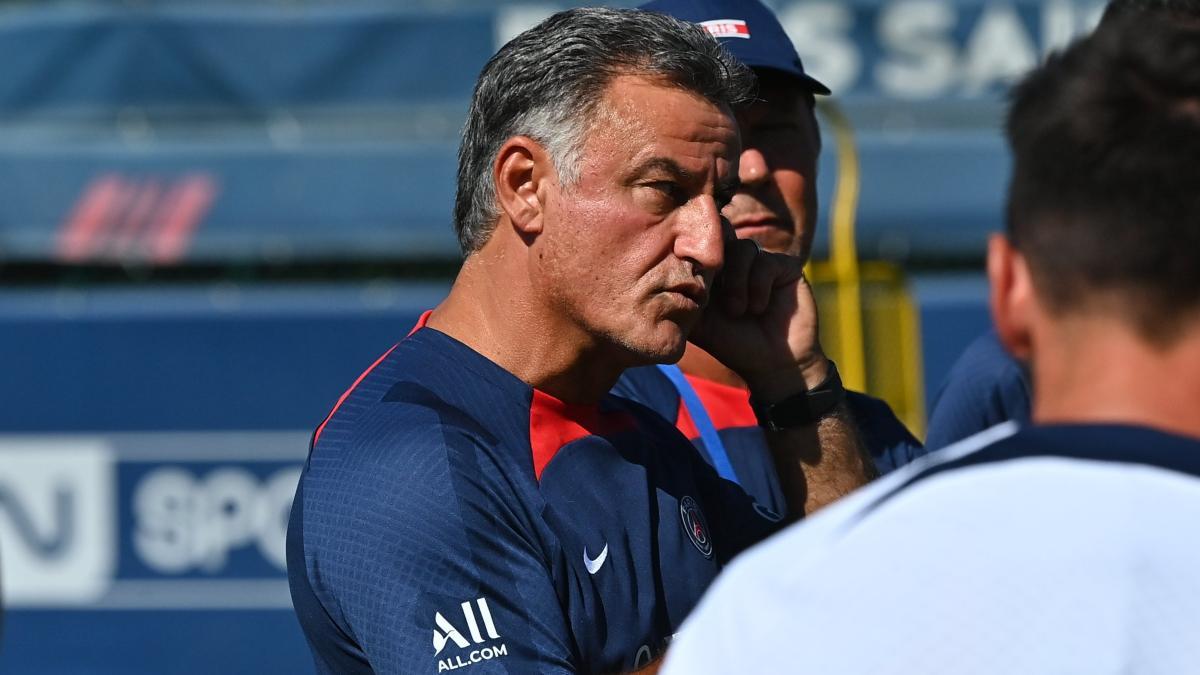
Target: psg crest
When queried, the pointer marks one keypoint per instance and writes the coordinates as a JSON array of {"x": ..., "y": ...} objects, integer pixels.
[{"x": 694, "y": 525}]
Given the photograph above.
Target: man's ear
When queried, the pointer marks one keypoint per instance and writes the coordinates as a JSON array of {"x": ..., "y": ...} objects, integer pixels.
[
  {"x": 1012, "y": 298},
  {"x": 521, "y": 166}
]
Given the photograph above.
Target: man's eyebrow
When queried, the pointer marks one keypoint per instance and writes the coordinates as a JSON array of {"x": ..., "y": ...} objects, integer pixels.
[{"x": 666, "y": 165}]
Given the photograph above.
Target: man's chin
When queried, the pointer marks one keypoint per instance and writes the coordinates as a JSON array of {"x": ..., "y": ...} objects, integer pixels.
[
  {"x": 663, "y": 348},
  {"x": 673, "y": 355}
]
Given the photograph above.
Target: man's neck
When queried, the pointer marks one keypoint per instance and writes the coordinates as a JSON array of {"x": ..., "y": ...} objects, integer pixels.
[
  {"x": 700, "y": 363},
  {"x": 1099, "y": 370},
  {"x": 492, "y": 311}
]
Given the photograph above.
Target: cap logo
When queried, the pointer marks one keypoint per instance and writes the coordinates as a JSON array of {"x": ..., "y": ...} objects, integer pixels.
[{"x": 727, "y": 28}]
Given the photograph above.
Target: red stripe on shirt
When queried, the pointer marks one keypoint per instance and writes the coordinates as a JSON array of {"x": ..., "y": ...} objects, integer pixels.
[
  {"x": 346, "y": 394},
  {"x": 685, "y": 424},
  {"x": 727, "y": 406},
  {"x": 420, "y": 324},
  {"x": 421, "y": 321},
  {"x": 554, "y": 423}
]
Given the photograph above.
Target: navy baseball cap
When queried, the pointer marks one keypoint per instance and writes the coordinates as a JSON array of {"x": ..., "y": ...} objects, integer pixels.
[{"x": 747, "y": 29}]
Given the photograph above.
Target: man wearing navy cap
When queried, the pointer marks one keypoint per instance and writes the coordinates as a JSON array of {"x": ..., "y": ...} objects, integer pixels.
[{"x": 776, "y": 206}]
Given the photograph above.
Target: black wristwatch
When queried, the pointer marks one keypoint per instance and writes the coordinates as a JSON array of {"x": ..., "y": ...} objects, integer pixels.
[{"x": 803, "y": 408}]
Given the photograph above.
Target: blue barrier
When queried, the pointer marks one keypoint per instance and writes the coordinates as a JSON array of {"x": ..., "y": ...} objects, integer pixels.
[{"x": 150, "y": 442}]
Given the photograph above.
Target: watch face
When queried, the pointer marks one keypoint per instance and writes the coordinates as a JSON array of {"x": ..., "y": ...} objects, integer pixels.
[{"x": 793, "y": 411}]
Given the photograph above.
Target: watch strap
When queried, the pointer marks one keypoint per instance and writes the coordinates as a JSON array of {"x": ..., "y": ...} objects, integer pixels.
[{"x": 802, "y": 408}]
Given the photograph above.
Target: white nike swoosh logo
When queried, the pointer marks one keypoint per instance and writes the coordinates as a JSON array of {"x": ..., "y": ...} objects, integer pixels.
[{"x": 594, "y": 565}]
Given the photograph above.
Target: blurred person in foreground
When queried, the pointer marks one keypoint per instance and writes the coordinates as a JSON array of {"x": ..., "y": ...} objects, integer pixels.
[
  {"x": 478, "y": 499},
  {"x": 776, "y": 206},
  {"x": 987, "y": 385},
  {"x": 1060, "y": 547}
]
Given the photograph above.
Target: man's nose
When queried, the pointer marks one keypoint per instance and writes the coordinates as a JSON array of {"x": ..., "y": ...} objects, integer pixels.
[
  {"x": 701, "y": 235},
  {"x": 752, "y": 166}
]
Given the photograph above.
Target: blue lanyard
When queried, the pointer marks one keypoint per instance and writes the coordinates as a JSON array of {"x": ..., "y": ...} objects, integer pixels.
[{"x": 708, "y": 432}]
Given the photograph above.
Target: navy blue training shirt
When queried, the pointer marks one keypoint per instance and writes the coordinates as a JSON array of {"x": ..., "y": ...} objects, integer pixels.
[
  {"x": 985, "y": 387},
  {"x": 450, "y": 516},
  {"x": 885, "y": 437}
]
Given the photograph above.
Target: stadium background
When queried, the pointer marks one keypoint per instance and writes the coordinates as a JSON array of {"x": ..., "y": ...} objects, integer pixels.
[{"x": 214, "y": 214}]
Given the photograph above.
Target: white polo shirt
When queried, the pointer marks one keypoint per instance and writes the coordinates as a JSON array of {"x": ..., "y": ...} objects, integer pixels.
[{"x": 1055, "y": 549}]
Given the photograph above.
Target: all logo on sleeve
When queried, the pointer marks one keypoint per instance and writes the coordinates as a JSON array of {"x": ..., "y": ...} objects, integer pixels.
[
  {"x": 695, "y": 525},
  {"x": 481, "y": 629}
]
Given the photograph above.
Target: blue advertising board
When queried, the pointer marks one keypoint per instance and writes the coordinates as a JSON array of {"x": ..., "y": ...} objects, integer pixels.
[
  {"x": 148, "y": 553},
  {"x": 151, "y": 442}
]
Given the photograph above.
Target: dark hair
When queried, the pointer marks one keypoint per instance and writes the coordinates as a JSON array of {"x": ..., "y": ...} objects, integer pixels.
[
  {"x": 1105, "y": 194},
  {"x": 1177, "y": 9},
  {"x": 548, "y": 81}
]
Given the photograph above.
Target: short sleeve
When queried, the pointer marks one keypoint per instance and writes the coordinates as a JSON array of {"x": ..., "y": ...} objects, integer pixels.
[{"x": 412, "y": 558}]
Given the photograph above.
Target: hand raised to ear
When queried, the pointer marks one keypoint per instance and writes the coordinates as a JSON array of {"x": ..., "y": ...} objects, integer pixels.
[{"x": 762, "y": 322}]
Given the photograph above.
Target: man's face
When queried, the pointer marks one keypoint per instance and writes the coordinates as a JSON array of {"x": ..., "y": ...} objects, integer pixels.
[
  {"x": 777, "y": 203},
  {"x": 628, "y": 253}
]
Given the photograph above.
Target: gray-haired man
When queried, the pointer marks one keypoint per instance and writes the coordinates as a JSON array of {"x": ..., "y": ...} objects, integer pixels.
[{"x": 478, "y": 484}]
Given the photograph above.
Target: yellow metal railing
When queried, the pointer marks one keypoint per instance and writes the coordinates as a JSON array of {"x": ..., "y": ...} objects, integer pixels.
[
  {"x": 843, "y": 251},
  {"x": 869, "y": 322},
  {"x": 891, "y": 326}
]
